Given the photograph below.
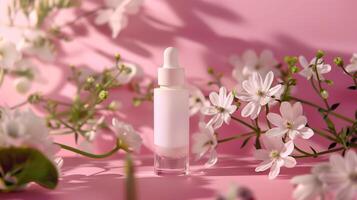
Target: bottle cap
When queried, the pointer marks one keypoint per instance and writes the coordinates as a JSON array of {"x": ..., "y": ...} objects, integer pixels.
[{"x": 171, "y": 74}]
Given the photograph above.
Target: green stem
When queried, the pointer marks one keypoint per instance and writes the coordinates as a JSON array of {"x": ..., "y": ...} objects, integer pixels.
[
  {"x": 267, "y": 112},
  {"x": 330, "y": 112},
  {"x": 319, "y": 84},
  {"x": 323, "y": 134},
  {"x": 319, "y": 153},
  {"x": 238, "y": 136},
  {"x": 90, "y": 155},
  {"x": 244, "y": 123}
]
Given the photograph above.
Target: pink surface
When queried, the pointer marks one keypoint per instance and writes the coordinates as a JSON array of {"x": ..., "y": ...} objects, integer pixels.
[{"x": 206, "y": 33}]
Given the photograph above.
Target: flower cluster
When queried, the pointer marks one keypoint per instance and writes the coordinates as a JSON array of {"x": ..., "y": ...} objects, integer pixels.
[{"x": 262, "y": 85}]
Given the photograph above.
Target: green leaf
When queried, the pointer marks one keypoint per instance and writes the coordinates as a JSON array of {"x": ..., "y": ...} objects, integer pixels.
[
  {"x": 353, "y": 87},
  {"x": 245, "y": 142},
  {"x": 332, "y": 145},
  {"x": 334, "y": 106},
  {"x": 27, "y": 165}
]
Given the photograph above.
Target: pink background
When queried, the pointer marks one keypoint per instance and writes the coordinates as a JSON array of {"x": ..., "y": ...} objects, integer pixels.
[{"x": 207, "y": 33}]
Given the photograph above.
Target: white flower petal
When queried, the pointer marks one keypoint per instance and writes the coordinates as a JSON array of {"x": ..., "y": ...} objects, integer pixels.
[
  {"x": 275, "y": 169},
  {"x": 209, "y": 110},
  {"x": 349, "y": 192},
  {"x": 276, "y": 132},
  {"x": 297, "y": 109},
  {"x": 338, "y": 163},
  {"x": 289, "y": 162},
  {"x": 351, "y": 68},
  {"x": 288, "y": 149},
  {"x": 268, "y": 81},
  {"x": 286, "y": 111},
  {"x": 214, "y": 98},
  {"x": 306, "y": 133},
  {"x": 264, "y": 165},
  {"x": 248, "y": 109},
  {"x": 351, "y": 160},
  {"x": 250, "y": 58},
  {"x": 275, "y": 119},
  {"x": 212, "y": 159}
]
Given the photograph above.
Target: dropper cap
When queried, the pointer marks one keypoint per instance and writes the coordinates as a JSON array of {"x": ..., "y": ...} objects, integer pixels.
[{"x": 171, "y": 74}]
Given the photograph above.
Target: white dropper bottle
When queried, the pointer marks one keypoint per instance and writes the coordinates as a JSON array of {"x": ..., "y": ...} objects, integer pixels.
[{"x": 171, "y": 118}]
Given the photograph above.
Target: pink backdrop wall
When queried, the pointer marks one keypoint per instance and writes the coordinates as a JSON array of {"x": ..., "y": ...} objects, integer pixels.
[{"x": 206, "y": 33}]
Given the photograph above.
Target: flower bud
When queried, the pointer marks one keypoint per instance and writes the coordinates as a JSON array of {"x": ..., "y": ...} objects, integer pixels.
[
  {"x": 320, "y": 54},
  {"x": 117, "y": 57},
  {"x": 22, "y": 85},
  {"x": 210, "y": 70},
  {"x": 90, "y": 80},
  {"x": 324, "y": 94},
  {"x": 329, "y": 82},
  {"x": 103, "y": 95},
  {"x": 290, "y": 60},
  {"x": 294, "y": 69},
  {"x": 34, "y": 98},
  {"x": 338, "y": 61}
]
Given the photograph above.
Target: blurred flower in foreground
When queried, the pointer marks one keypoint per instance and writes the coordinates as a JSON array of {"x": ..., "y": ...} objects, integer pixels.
[
  {"x": 205, "y": 141},
  {"x": 196, "y": 100},
  {"x": 127, "y": 135},
  {"x": 310, "y": 186},
  {"x": 25, "y": 74},
  {"x": 343, "y": 175},
  {"x": 221, "y": 108},
  {"x": 8, "y": 54},
  {"x": 274, "y": 156},
  {"x": 250, "y": 62},
  {"x": 25, "y": 136},
  {"x": 292, "y": 122},
  {"x": 352, "y": 67},
  {"x": 338, "y": 175},
  {"x": 309, "y": 70},
  {"x": 115, "y": 14},
  {"x": 36, "y": 43},
  {"x": 258, "y": 93},
  {"x": 236, "y": 192}
]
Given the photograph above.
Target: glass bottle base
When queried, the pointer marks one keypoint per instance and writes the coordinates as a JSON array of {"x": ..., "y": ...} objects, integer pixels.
[{"x": 167, "y": 166}]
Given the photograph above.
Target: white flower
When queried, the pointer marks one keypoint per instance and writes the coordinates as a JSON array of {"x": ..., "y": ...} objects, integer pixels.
[
  {"x": 130, "y": 71},
  {"x": 8, "y": 54},
  {"x": 258, "y": 93},
  {"x": 275, "y": 156},
  {"x": 309, "y": 71},
  {"x": 35, "y": 42},
  {"x": 249, "y": 63},
  {"x": 343, "y": 175},
  {"x": 115, "y": 15},
  {"x": 310, "y": 186},
  {"x": 237, "y": 192},
  {"x": 291, "y": 122},
  {"x": 196, "y": 100},
  {"x": 222, "y": 108},
  {"x": 127, "y": 134},
  {"x": 25, "y": 129},
  {"x": 205, "y": 141},
  {"x": 352, "y": 67}
]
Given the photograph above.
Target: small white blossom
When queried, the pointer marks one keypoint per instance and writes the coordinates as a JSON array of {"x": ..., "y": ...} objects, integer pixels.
[
  {"x": 25, "y": 129},
  {"x": 205, "y": 141},
  {"x": 8, "y": 54},
  {"x": 127, "y": 134},
  {"x": 258, "y": 93},
  {"x": 310, "y": 186},
  {"x": 309, "y": 70},
  {"x": 250, "y": 62},
  {"x": 36, "y": 43},
  {"x": 352, "y": 67},
  {"x": 196, "y": 100},
  {"x": 115, "y": 14},
  {"x": 25, "y": 74},
  {"x": 274, "y": 156},
  {"x": 343, "y": 175},
  {"x": 292, "y": 122},
  {"x": 221, "y": 108}
]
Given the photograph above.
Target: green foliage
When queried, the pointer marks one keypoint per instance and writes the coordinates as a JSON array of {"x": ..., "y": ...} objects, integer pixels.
[{"x": 20, "y": 166}]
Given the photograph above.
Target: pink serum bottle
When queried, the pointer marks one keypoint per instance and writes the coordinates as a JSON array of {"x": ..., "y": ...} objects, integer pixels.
[{"x": 171, "y": 118}]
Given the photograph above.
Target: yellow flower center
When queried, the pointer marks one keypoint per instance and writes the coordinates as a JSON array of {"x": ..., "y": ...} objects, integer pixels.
[
  {"x": 274, "y": 154},
  {"x": 220, "y": 109},
  {"x": 289, "y": 125},
  {"x": 260, "y": 93}
]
